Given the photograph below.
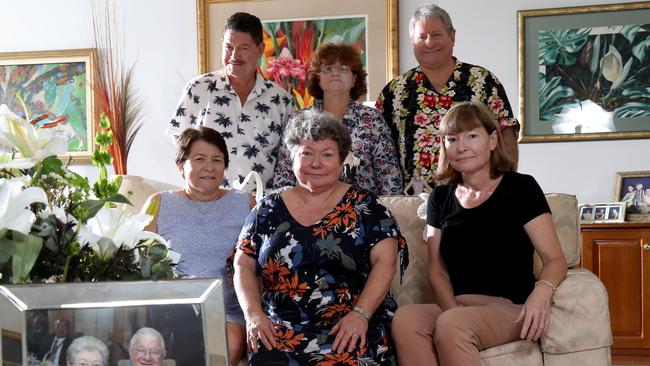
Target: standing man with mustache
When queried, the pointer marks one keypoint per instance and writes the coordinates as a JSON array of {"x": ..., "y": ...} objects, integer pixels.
[
  {"x": 414, "y": 103},
  {"x": 249, "y": 111}
]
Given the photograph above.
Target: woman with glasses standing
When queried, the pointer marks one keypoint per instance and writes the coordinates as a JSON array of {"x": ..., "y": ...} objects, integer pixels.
[{"x": 337, "y": 80}]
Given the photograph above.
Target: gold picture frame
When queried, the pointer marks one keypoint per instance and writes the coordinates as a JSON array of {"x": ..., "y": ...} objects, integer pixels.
[
  {"x": 638, "y": 207},
  {"x": 383, "y": 48},
  {"x": 58, "y": 83},
  {"x": 579, "y": 70}
]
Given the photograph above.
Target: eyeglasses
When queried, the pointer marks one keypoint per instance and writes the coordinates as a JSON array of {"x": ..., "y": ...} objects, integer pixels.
[
  {"x": 329, "y": 69},
  {"x": 155, "y": 353}
]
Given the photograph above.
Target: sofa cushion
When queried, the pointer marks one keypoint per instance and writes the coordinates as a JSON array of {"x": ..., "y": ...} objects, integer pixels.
[
  {"x": 414, "y": 288},
  {"x": 565, "y": 217},
  {"x": 513, "y": 353},
  {"x": 138, "y": 189}
]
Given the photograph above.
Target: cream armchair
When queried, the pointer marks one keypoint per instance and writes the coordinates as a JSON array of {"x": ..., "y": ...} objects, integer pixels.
[{"x": 579, "y": 332}]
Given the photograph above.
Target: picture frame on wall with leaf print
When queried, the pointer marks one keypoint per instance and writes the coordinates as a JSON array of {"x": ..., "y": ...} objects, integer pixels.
[
  {"x": 293, "y": 30},
  {"x": 582, "y": 74},
  {"x": 56, "y": 87}
]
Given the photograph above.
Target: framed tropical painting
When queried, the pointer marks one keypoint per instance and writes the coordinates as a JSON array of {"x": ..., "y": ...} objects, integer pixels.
[
  {"x": 583, "y": 72},
  {"x": 55, "y": 86},
  {"x": 294, "y": 29}
]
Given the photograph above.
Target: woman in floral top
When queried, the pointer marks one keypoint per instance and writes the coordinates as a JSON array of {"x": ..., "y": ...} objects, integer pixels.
[
  {"x": 337, "y": 80},
  {"x": 326, "y": 253}
]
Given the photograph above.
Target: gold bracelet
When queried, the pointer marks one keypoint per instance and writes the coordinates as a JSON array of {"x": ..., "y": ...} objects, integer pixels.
[{"x": 546, "y": 283}]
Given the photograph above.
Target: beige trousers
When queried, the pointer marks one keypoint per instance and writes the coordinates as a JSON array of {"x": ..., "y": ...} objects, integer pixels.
[{"x": 425, "y": 335}]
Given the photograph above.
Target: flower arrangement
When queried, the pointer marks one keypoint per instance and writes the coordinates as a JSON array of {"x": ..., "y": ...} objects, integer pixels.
[{"x": 55, "y": 227}]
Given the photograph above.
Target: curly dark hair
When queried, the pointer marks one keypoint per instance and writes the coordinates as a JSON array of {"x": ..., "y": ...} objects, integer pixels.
[{"x": 329, "y": 53}]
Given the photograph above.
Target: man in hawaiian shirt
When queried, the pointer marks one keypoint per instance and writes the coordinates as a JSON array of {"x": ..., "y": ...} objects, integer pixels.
[
  {"x": 249, "y": 111},
  {"x": 414, "y": 103}
]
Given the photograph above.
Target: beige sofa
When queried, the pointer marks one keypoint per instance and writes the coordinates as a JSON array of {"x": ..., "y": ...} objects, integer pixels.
[{"x": 579, "y": 333}]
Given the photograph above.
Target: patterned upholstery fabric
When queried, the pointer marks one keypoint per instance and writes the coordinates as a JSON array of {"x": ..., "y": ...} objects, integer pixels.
[
  {"x": 512, "y": 354},
  {"x": 414, "y": 288},
  {"x": 579, "y": 332}
]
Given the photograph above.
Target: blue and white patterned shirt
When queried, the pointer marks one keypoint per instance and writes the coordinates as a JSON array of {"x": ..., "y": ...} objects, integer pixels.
[
  {"x": 372, "y": 144},
  {"x": 252, "y": 131}
]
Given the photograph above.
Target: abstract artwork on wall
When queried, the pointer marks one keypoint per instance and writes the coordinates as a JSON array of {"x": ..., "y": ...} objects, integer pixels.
[{"x": 55, "y": 86}]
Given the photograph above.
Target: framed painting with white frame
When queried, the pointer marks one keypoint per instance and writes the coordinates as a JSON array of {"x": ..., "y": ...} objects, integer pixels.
[
  {"x": 351, "y": 21},
  {"x": 602, "y": 212},
  {"x": 582, "y": 74},
  {"x": 633, "y": 188},
  {"x": 56, "y": 85}
]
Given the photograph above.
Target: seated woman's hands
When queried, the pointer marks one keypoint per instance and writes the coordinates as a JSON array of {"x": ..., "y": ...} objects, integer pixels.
[
  {"x": 349, "y": 330},
  {"x": 260, "y": 328},
  {"x": 535, "y": 313}
]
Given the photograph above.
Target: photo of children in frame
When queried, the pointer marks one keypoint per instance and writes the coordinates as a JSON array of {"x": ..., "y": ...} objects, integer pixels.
[{"x": 633, "y": 188}]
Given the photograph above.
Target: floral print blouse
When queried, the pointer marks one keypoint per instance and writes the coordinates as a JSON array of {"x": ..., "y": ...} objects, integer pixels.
[
  {"x": 413, "y": 110},
  {"x": 313, "y": 275},
  {"x": 251, "y": 131},
  {"x": 372, "y": 144}
]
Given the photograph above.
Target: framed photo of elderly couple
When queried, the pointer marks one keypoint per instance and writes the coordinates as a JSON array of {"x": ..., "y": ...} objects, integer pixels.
[
  {"x": 185, "y": 318},
  {"x": 294, "y": 29},
  {"x": 583, "y": 72}
]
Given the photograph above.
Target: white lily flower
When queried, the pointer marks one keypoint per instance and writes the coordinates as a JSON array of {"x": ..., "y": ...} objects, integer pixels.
[
  {"x": 14, "y": 200},
  {"x": 611, "y": 64},
  {"x": 59, "y": 213},
  {"x": 32, "y": 142},
  {"x": 111, "y": 228},
  {"x": 17, "y": 163},
  {"x": 613, "y": 68}
]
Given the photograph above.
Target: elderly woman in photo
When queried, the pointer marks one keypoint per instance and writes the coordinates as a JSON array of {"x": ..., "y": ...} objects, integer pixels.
[
  {"x": 337, "y": 80},
  {"x": 314, "y": 263},
  {"x": 87, "y": 351},
  {"x": 484, "y": 222},
  {"x": 202, "y": 220}
]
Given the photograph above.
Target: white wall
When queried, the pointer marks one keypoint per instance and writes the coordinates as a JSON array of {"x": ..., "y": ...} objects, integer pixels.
[{"x": 161, "y": 39}]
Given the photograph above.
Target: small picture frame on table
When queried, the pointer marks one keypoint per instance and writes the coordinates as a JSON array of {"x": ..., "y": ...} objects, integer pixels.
[{"x": 602, "y": 212}]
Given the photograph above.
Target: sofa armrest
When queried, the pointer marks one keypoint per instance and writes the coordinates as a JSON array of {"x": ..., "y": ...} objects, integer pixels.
[{"x": 579, "y": 315}]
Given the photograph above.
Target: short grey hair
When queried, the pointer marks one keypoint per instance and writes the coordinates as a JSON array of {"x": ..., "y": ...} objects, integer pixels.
[
  {"x": 431, "y": 12},
  {"x": 89, "y": 344},
  {"x": 315, "y": 126},
  {"x": 146, "y": 331}
]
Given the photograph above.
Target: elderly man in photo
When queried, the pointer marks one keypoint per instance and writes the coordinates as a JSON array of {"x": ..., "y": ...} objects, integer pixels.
[
  {"x": 58, "y": 343},
  {"x": 414, "y": 103},
  {"x": 249, "y": 111},
  {"x": 147, "y": 348}
]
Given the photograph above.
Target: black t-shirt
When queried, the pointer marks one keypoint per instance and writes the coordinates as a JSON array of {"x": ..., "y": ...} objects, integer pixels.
[{"x": 485, "y": 248}]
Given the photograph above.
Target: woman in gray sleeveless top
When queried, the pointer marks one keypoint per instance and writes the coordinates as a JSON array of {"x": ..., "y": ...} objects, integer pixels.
[{"x": 202, "y": 221}]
